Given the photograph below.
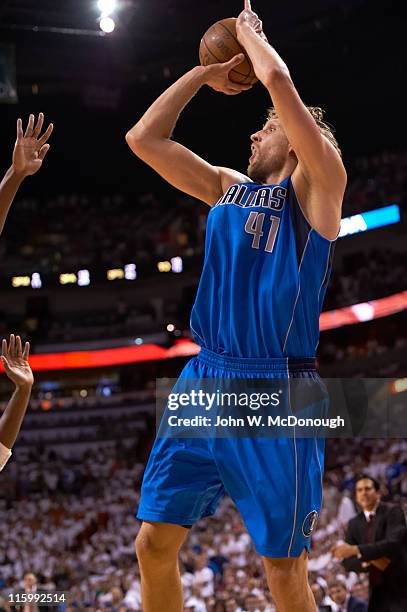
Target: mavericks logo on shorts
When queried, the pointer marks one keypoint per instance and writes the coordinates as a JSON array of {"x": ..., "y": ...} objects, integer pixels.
[{"x": 309, "y": 523}]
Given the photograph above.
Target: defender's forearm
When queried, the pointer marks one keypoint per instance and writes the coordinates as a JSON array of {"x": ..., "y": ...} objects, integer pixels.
[
  {"x": 8, "y": 189},
  {"x": 10, "y": 422},
  {"x": 160, "y": 119}
]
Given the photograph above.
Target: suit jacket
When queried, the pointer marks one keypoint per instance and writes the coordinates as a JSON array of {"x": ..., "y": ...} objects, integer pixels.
[
  {"x": 356, "y": 605},
  {"x": 389, "y": 541}
]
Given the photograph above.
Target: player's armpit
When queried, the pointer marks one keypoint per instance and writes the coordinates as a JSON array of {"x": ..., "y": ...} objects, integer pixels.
[
  {"x": 179, "y": 166},
  {"x": 321, "y": 207}
]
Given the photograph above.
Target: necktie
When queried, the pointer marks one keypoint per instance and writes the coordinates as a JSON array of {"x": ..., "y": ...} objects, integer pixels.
[{"x": 375, "y": 575}]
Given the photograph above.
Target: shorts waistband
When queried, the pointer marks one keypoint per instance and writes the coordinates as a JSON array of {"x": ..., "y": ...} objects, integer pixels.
[{"x": 267, "y": 364}]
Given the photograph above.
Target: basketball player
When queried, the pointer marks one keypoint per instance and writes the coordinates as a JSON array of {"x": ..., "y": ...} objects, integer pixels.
[
  {"x": 269, "y": 243},
  {"x": 17, "y": 368},
  {"x": 29, "y": 152}
]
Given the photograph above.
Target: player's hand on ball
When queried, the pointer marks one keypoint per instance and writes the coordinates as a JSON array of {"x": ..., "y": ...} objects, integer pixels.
[
  {"x": 249, "y": 19},
  {"x": 31, "y": 147},
  {"x": 217, "y": 77},
  {"x": 15, "y": 362}
]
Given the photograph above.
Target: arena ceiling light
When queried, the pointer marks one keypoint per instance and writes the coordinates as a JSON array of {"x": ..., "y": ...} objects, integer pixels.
[
  {"x": 107, "y": 25},
  {"x": 106, "y": 7}
]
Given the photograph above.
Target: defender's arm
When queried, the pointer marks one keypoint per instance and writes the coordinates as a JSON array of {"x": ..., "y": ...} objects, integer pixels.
[
  {"x": 17, "y": 368},
  {"x": 29, "y": 152}
]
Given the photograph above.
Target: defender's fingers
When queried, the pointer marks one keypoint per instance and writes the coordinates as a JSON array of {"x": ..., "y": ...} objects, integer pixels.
[
  {"x": 4, "y": 349},
  {"x": 38, "y": 127},
  {"x": 11, "y": 346},
  {"x": 26, "y": 350},
  {"x": 29, "y": 130},
  {"x": 46, "y": 135},
  {"x": 247, "y": 5},
  {"x": 19, "y": 347},
  {"x": 20, "y": 132},
  {"x": 43, "y": 151},
  {"x": 5, "y": 363}
]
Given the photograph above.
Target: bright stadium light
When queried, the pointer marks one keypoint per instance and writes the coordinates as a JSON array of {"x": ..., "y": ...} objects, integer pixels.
[
  {"x": 176, "y": 264},
  {"x": 170, "y": 327},
  {"x": 36, "y": 282},
  {"x": 130, "y": 272},
  {"x": 83, "y": 278},
  {"x": 115, "y": 274},
  {"x": 106, "y": 7},
  {"x": 107, "y": 25},
  {"x": 164, "y": 266},
  {"x": 67, "y": 278},
  {"x": 20, "y": 281}
]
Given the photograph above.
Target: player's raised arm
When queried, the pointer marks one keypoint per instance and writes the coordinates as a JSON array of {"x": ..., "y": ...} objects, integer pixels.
[
  {"x": 29, "y": 152},
  {"x": 150, "y": 138},
  {"x": 17, "y": 368},
  {"x": 319, "y": 163}
]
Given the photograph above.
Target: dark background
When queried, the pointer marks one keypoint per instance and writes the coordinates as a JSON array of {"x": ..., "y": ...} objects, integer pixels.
[{"x": 347, "y": 56}]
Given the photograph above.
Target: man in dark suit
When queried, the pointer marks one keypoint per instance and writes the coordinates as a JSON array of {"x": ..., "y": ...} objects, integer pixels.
[
  {"x": 375, "y": 543},
  {"x": 345, "y": 601},
  {"x": 30, "y": 586}
]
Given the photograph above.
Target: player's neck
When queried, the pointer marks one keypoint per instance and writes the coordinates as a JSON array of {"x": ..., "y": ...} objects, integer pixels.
[{"x": 275, "y": 177}]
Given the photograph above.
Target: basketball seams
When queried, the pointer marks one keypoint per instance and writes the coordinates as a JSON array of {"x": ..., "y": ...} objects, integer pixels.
[
  {"x": 208, "y": 51},
  {"x": 238, "y": 43},
  {"x": 221, "y": 62}
]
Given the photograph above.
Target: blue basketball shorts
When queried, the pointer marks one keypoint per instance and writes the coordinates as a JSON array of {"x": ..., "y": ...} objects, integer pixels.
[{"x": 276, "y": 483}]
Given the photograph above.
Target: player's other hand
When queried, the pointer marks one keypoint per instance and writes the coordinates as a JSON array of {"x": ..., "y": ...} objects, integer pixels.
[
  {"x": 249, "y": 19},
  {"x": 31, "y": 146},
  {"x": 217, "y": 77},
  {"x": 15, "y": 362}
]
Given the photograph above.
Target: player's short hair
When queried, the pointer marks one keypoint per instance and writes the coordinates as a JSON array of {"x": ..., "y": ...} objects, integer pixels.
[
  {"x": 318, "y": 115},
  {"x": 375, "y": 482}
]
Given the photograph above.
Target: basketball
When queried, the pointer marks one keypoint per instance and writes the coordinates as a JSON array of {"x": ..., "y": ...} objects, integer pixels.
[{"x": 219, "y": 44}]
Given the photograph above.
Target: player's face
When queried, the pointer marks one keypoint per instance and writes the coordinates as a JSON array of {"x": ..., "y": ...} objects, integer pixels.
[
  {"x": 366, "y": 494},
  {"x": 270, "y": 150}
]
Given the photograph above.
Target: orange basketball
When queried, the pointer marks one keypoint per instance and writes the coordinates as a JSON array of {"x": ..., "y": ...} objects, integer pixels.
[{"x": 219, "y": 44}]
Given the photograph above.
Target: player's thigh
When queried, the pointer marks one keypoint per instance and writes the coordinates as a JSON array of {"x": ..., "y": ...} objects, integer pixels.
[{"x": 158, "y": 539}]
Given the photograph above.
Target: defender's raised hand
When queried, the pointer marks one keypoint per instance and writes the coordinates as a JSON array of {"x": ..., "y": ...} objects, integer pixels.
[
  {"x": 31, "y": 147},
  {"x": 217, "y": 77},
  {"x": 15, "y": 362}
]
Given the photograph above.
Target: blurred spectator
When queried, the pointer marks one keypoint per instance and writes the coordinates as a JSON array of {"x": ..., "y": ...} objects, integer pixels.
[{"x": 344, "y": 600}]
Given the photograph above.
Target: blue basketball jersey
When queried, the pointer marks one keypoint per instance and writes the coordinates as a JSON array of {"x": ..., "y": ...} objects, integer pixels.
[{"x": 264, "y": 276}]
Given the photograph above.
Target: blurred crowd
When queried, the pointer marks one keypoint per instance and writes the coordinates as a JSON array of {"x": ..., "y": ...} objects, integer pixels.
[
  {"x": 70, "y": 523},
  {"x": 366, "y": 276},
  {"x": 71, "y": 232},
  {"x": 376, "y": 181},
  {"x": 76, "y": 231}
]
